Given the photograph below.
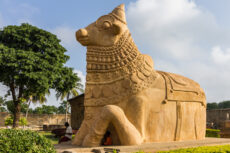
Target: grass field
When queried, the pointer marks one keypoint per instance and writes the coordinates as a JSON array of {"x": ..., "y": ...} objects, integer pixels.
[
  {"x": 49, "y": 136},
  {"x": 204, "y": 149}
]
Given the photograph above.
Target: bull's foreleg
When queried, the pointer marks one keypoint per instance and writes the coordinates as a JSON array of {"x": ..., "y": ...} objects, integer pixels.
[
  {"x": 126, "y": 131},
  {"x": 81, "y": 134}
]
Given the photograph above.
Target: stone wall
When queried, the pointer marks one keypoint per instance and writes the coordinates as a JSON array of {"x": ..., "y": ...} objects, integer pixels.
[
  {"x": 218, "y": 116},
  {"x": 39, "y": 120}
]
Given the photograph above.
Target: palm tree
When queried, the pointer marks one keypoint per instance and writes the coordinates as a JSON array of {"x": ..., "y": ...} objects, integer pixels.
[
  {"x": 68, "y": 94},
  {"x": 36, "y": 98}
]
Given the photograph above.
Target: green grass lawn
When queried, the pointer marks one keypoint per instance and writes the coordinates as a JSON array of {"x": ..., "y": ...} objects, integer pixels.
[
  {"x": 204, "y": 149},
  {"x": 49, "y": 136}
]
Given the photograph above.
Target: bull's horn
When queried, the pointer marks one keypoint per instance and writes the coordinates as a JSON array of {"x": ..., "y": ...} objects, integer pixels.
[{"x": 119, "y": 13}]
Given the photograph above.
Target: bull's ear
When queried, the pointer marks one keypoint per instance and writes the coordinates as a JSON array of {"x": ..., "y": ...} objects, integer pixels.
[{"x": 116, "y": 29}]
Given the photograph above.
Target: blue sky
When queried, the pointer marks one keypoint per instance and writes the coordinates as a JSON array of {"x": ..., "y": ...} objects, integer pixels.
[{"x": 188, "y": 37}]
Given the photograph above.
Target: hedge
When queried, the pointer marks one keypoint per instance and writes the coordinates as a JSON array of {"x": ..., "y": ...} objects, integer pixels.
[
  {"x": 24, "y": 141},
  {"x": 213, "y": 133}
]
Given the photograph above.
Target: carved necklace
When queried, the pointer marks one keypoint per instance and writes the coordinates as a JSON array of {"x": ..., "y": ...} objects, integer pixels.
[{"x": 106, "y": 59}]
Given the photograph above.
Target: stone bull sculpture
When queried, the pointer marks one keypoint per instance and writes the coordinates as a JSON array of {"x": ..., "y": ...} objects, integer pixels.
[{"x": 125, "y": 95}]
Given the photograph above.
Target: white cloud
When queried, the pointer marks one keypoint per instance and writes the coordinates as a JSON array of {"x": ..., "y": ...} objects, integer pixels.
[
  {"x": 220, "y": 56},
  {"x": 66, "y": 34},
  {"x": 170, "y": 27},
  {"x": 3, "y": 91},
  {"x": 180, "y": 36},
  {"x": 169, "y": 12},
  {"x": 81, "y": 76}
]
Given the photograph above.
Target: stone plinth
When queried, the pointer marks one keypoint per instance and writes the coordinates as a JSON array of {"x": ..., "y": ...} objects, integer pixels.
[{"x": 146, "y": 147}]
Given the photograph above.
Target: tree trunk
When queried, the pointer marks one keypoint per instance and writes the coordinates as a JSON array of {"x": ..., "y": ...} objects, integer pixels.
[
  {"x": 66, "y": 118},
  {"x": 17, "y": 105},
  {"x": 17, "y": 111},
  {"x": 66, "y": 108},
  {"x": 28, "y": 109}
]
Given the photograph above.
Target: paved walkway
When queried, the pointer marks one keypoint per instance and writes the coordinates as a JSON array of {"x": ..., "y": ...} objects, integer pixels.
[{"x": 147, "y": 147}]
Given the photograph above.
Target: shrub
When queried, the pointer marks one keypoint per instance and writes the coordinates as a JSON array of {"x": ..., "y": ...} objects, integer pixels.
[
  {"x": 204, "y": 149},
  {"x": 24, "y": 141},
  {"x": 23, "y": 121},
  {"x": 9, "y": 121},
  {"x": 213, "y": 133}
]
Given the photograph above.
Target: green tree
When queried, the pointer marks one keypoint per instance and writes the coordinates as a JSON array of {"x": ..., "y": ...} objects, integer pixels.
[
  {"x": 11, "y": 109},
  {"x": 65, "y": 89},
  {"x": 46, "y": 110},
  {"x": 224, "y": 104},
  {"x": 9, "y": 121},
  {"x": 23, "y": 121},
  {"x": 1, "y": 101},
  {"x": 2, "y": 104},
  {"x": 3, "y": 109},
  {"x": 34, "y": 99},
  {"x": 212, "y": 106},
  {"x": 31, "y": 62},
  {"x": 62, "y": 107}
]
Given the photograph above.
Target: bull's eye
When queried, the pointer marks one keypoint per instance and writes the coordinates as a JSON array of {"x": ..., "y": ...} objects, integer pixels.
[{"x": 106, "y": 24}]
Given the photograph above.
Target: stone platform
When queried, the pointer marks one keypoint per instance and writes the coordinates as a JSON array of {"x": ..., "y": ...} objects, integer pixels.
[{"x": 147, "y": 147}]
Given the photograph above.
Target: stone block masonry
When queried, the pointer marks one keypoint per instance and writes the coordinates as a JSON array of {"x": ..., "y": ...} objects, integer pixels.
[{"x": 38, "y": 119}]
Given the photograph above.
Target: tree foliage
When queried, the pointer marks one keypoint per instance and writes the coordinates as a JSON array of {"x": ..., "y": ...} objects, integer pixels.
[
  {"x": 212, "y": 106},
  {"x": 31, "y": 62},
  {"x": 62, "y": 108},
  {"x": 45, "y": 109},
  {"x": 11, "y": 109},
  {"x": 66, "y": 88},
  {"x": 220, "y": 105},
  {"x": 1, "y": 101},
  {"x": 9, "y": 121},
  {"x": 3, "y": 109},
  {"x": 2, "y": 104},
  {"x": 24, "y": 141}
]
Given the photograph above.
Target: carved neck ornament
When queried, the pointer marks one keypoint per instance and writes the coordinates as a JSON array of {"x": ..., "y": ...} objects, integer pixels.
[{"x": 104, "y": 59}]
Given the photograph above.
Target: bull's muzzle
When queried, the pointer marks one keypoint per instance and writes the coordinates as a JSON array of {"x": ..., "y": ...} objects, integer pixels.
[
  {"x": 82, "y": 36},
  {"x": 81, "y": 33}
]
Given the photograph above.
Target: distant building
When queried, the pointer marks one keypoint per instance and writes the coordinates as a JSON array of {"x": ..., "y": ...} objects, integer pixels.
[
  {"x": 77, "y": 111},
  {"x": 218, "y": 117}
]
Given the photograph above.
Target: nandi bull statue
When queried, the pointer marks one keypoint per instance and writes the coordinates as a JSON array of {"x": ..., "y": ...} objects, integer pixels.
[{"x": 126, "y": 96}]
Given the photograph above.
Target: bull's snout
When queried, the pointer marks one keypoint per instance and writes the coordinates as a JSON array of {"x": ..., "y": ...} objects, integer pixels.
[
  {"x": 82, "y": 37},
  {"x": 81, "y": 33}
]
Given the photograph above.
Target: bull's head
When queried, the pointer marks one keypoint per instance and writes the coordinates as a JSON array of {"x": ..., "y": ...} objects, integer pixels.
[{"x": 106, "y": 31}]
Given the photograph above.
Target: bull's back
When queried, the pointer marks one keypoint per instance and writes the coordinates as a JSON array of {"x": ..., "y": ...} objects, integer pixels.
[{"x": 182, "y": 113}]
